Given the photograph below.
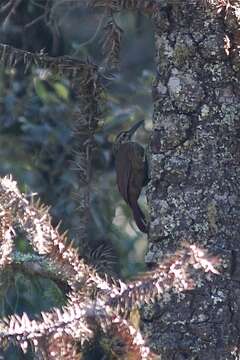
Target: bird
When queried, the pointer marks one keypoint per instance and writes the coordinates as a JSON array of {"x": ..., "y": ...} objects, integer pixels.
[{"x": 131, "y": 171}]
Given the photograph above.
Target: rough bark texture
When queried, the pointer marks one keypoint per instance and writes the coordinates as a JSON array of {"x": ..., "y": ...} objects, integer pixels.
[{"x": 194, "y": 191}]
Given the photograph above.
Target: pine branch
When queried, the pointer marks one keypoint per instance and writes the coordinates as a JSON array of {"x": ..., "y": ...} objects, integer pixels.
[
  {"x": 58, "y": 346},
  {"x": 124, "y": 341},
  {"x": 111, "y": 44},
  {"x": 6, "y": 238},
  {"x": 76, "y": 322},
  {"x": 64, "y": 65},
  {"x": 81, "y": 317},
  {"x": 70, "y": 320},
  {"x": 85, "y": 121},
  {"x": 173, "y": 274},
  {"x": 35, "y": 222},
  {"x": 146, "y": 6},
  {"x": 46, "y": 240}
]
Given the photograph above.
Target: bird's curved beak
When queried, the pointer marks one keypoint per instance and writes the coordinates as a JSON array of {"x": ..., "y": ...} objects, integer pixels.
[{"x": 134, "y": 128}]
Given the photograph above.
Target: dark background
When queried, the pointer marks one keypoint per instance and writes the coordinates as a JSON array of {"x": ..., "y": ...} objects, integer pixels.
[{"x": 36, "y": 137}]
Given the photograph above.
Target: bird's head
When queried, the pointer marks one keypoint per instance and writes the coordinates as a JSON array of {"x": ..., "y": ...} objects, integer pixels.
[{"x": 126, "y": 136}]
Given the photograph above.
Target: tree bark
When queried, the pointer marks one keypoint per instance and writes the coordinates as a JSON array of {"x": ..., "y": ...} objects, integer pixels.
[{"x": 194, "y": 191}]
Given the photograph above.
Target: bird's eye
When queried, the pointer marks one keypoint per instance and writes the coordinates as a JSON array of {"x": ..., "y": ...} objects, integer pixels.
[{"x": 121, "y": 137}]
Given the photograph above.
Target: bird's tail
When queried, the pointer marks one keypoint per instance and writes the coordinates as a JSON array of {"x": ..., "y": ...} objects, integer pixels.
[{"x": 139, "y": 217}]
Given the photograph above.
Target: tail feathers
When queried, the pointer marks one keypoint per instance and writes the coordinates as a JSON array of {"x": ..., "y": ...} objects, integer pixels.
[{"x": 139, "y": 218}]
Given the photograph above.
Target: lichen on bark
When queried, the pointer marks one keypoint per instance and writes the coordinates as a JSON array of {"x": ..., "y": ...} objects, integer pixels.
[{"x": 194, "y": 191}]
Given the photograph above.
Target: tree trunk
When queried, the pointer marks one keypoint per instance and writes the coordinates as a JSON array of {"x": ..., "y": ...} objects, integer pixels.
[{"x": 194, "y": 191}]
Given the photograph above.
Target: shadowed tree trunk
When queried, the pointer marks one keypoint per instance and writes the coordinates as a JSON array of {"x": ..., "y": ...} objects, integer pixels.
[{"x": 194, "y": 163}]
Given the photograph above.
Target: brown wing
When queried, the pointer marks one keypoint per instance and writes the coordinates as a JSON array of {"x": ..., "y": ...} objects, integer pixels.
[
  {"x": 139, "y": 217},
  {"x": 130, "y": 168},
  {"x": 137, "y": 179},
  {"x": 123, "y": 168},
  {"x": 138, "y": 174}
]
